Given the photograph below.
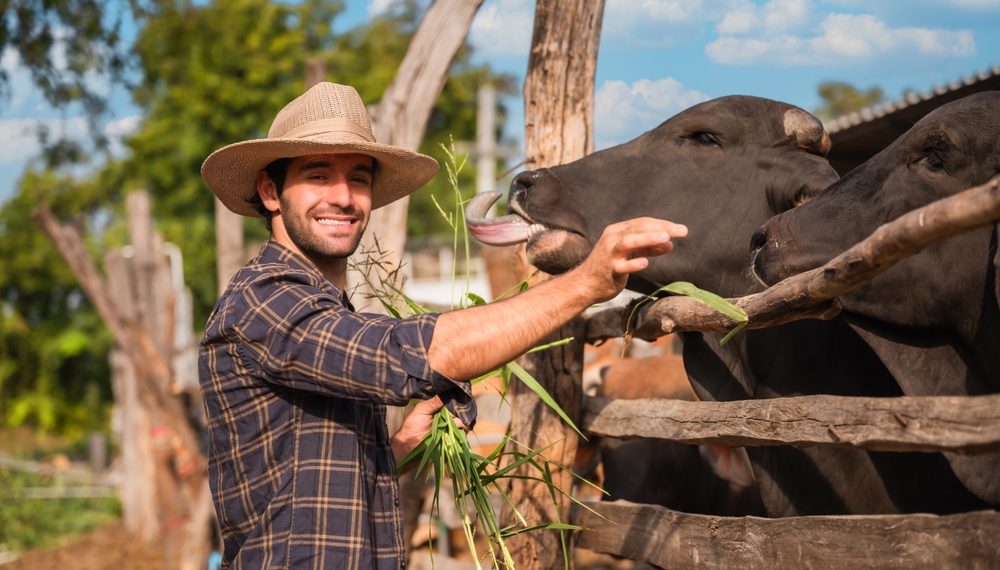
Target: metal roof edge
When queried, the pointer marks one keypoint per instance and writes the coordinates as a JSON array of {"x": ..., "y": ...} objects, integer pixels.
[{"x": 879, "y": 110}]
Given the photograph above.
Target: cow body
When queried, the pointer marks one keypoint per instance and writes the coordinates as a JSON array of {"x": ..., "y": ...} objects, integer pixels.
[
  {"x": 723, "y": 168},
  {"x": 932, "y": 318}
]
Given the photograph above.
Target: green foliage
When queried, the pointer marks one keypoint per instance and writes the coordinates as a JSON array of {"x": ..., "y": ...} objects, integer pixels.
[
  {"x": 842, "y": 98},
  {"x": 53, "y": 347},
  {"x": 27, "y": 523}
]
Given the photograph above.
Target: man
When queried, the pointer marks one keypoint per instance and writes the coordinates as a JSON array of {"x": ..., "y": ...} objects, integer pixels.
[{"x": 302, "y": 469}]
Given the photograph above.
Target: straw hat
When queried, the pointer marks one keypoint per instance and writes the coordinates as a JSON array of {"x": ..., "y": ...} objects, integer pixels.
[{"x": 327, "y": 119}]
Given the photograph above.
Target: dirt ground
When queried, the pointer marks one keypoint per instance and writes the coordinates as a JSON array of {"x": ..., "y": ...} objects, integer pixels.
[{"x": 107, "y": 548}]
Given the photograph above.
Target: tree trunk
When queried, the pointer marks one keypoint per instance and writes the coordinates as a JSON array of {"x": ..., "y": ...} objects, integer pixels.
[{"x": 559, "y": 101}]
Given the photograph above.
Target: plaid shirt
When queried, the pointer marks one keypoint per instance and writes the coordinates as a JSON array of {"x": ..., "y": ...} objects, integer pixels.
[{"x": 295, "y": 385}]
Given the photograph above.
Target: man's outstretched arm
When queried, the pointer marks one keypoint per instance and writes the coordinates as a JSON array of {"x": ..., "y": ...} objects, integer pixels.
[{"x": 470, "y": 342}]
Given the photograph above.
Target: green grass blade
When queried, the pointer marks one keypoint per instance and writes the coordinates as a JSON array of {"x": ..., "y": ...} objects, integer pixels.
[
  {"x": 707, "y": 298},
  {"x": 543, "y": 395}
]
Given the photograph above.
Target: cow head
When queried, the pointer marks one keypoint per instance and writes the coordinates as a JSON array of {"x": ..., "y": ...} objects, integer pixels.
[
  {"x": 951, "y": 149},
  {"x": 722, "y": 168}
]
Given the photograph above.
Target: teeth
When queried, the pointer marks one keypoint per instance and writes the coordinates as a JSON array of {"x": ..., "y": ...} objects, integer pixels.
[
  {"x": 327, "y": 222},
  {"x": 535, "y": 229}
]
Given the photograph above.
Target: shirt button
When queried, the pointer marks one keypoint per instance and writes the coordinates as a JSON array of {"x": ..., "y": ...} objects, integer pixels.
[{"x": 395, "y": 501}]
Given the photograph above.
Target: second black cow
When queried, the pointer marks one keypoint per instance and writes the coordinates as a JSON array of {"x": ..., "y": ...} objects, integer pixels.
[{"x": 932, "y": 318}]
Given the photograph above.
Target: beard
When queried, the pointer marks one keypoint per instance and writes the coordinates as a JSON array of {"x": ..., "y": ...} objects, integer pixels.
[{"x": 320, "y": 247}]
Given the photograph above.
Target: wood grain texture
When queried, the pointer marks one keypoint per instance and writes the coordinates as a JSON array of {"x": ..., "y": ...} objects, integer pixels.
[
  {"x": 968, "y": 424},
  {"x": 670, "y": 539}
]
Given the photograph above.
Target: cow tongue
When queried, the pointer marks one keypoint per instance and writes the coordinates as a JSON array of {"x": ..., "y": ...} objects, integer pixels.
[{"x": 505, "y": 230}]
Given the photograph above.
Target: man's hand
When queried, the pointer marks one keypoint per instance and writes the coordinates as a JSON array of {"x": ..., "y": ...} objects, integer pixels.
[
  {"x": 622, "y": 249},
  {"x": 415, "y": 427},
  {"x": 472, "y": 341}
]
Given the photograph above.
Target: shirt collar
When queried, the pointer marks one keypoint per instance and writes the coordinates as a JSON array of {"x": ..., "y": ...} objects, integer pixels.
[{"x": 274, "y": 252}]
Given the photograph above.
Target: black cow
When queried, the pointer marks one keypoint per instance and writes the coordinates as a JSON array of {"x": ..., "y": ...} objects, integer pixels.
[
  {"x": 933, "y": 318},
  {"x": 723, "y": 168}
]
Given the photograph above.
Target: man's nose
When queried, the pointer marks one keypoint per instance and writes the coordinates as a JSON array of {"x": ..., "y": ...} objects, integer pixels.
[{"x": 338, "y": 193}]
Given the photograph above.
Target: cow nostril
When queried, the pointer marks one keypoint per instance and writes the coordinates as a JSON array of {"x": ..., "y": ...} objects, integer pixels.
[
  {"x": 524, "y": 180},
  {"x": 521, "y": 184},
  {"x": 758, "y": 240}
]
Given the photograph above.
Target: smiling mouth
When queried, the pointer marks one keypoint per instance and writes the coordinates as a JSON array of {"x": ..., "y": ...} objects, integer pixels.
[{"x": 516, "y": 227}]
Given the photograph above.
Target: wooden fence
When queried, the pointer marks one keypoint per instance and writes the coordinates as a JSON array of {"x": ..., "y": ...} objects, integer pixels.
[{"x": 965, "y": 424}]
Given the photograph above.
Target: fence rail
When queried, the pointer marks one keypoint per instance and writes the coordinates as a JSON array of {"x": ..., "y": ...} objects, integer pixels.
[
  {"x": 676, "y": 540},
  {"x": 966, "y": 424}
]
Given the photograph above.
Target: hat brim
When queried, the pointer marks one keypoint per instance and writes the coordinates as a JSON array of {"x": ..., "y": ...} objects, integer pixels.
[{"x": 231, "y": 171}]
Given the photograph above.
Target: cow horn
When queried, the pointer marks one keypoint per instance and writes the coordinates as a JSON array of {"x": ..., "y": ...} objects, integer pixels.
[{"x": 807, "y": 131}]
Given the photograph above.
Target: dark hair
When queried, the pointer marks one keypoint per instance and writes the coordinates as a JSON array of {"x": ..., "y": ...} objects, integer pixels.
[{"x": 277, "y": 171}]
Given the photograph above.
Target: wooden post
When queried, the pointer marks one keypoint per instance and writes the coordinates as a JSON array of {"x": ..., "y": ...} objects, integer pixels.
[
  {"x": 486, "y": 144},
  {"x": 164, "y": 478},
  {"x": 559, "y": 99},
  {"x": 228, "y": 245}
]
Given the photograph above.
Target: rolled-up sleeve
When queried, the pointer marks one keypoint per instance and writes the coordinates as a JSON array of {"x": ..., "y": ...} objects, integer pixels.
[{"x": 298, "y": 335}]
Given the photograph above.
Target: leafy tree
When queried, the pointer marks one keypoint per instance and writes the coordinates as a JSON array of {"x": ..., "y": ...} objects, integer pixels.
[
  {"x": 842, "y": 98},
  {"x": 64, "y": 44}
]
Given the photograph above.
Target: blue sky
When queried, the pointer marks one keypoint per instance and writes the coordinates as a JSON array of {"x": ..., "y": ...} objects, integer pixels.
[{"x": 658, "y": 57}]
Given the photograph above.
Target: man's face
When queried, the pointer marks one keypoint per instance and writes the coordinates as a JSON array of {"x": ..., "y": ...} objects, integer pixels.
[{"x": 324, "y": 208}]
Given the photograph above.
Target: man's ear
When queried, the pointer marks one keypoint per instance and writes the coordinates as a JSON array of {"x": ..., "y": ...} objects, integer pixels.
[{"x": 267, "y": 191}]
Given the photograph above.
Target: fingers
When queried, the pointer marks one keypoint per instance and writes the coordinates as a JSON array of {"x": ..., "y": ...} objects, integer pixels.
[{"x": 650, "y": 226}]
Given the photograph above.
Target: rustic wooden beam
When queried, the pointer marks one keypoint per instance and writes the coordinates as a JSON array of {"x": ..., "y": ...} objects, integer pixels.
[
  {"x": 967, "y": 424},
  {"x": 809, "y": 294},
  {"x": 675, "y": 540},
  {"x": 154, "y": 373}
]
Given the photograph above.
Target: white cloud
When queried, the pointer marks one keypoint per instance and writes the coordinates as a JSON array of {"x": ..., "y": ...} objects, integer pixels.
[
  {"x": 623, "y": 111},
  {"x": 841, "y": 39},
  {"x": 121, "y": 128},
  {"x": 503, "y": 27},
  {"x": 19, "y": 139},
  {"x": 658, "y": 23},
  {"x": 117, "y": 130},
  {"x": 379, "y": 7}
]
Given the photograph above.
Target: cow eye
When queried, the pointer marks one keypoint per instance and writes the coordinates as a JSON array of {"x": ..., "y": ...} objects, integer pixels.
[
  {"x": 933, "y": 161},
  {"x": 705, "y": 138}
]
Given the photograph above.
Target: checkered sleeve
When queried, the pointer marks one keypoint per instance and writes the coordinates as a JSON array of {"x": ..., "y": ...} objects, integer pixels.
[{"x": 301, "y": 336}]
